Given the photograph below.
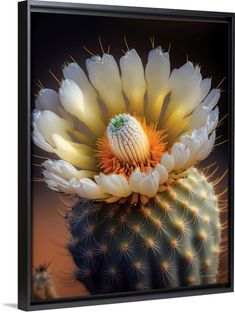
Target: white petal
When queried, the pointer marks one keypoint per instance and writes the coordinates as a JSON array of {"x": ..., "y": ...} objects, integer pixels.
[
  {"x": 157, "y": 74},
  {"x": 162, "y": 172},
  {"x": 104, "y": 75},
  {"x": 167, "y": 161},
  {"x": 75, "y": 102},
  {"x": 184, "y": 84},
  {"x": 48, "y": 123},
  {"x": 185, "y": 88},
  {"x": 47, "y": 99},
  {"x": 196, "y": 143},
  {"x": 193, "y": 142},
  {"x": 66, "y": 170},
  {"x": 212, "y": 99},
  {"x": 74, "y": 72},
  {"x": 135, "y": 179},
  {"x": 87, "y": 188},
  {"x": 205, "y": 87},
  {"x": 212, "y": 120},
  {"x": 114, "y": 184},
  {"x": 180, "y": 152},
  {"x": 78, "y": 155},
  {"x": 206, "y": 149},
  {"x": 51, "y": 184},
  {"x": 144, "y": 183},
  {"x": 56, "y": 182},
  {"x": 71, "y": 97},
  {"x": 133, "y": 81},
  {"x": 41, "y": 142},
  {"x": 201, "y": 134},
  {"x": 67, "y": 189},
  {"x": 199, "y": 117},
  {"x": 52, "y": 176},
  {"x": 149, "y": 184}
]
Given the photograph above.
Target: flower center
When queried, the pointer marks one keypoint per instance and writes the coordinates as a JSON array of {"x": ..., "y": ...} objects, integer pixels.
[
  {"x": 129, "y": 143},
  {"x": 127, "y": 139}
]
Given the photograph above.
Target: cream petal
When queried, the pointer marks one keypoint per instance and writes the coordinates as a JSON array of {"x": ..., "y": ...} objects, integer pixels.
[
  {"x": 88, "y": 189},
  {"x": 74, "y": 72},
  {"x": 157, "y": 74},
  {"x": 167, "y": 161},
  {"x": 144, "y": 183},
  {"x": 72, "y": 98},
  {"x": 84, "y": 138},
  {"x": 185, "y": 88},
  {"x": 207, "y": 148},
  {"x": 48, "y": 123},
  {"x": 163, "y": 173},
  {"x": 66, "y": 170},
  {"x": 75, "y": 102},
  {"x": 133, "y": 82},
  {"x": 78, "y": 155},
  {"x": 180, "y": 152},
  {"x": 114, "y": 184},
  {"x": 41, "y": 142},
  {"x": 104, "y": 75},
  {"x": 185, "y": 93}
]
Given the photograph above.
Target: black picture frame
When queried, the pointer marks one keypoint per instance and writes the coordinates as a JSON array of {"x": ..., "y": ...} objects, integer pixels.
[{"x": 25, "y": 9}]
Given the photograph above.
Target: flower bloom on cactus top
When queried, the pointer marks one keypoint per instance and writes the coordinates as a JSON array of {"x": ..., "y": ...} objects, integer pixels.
[{"x": 126, "y": 130}]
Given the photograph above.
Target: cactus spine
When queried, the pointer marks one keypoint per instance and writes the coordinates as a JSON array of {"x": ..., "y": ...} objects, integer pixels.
[{"x": 171, "y": 241}]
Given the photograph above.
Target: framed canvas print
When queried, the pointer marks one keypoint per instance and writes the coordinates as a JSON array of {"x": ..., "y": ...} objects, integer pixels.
[{"x": 125, "y": 154}]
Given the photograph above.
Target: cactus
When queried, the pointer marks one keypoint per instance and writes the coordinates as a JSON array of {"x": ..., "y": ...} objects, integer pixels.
[
  {"x": 144, "y": 216},
  {"x": 43, "y": 285},
  {"x": 172, "y": 241}
]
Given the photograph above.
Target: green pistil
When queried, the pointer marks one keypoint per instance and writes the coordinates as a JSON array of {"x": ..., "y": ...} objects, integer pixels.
[{"x": 118, "y": 121}]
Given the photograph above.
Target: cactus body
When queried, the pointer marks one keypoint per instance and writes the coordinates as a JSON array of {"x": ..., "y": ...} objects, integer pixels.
[{"x": 172, "y": 241}]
